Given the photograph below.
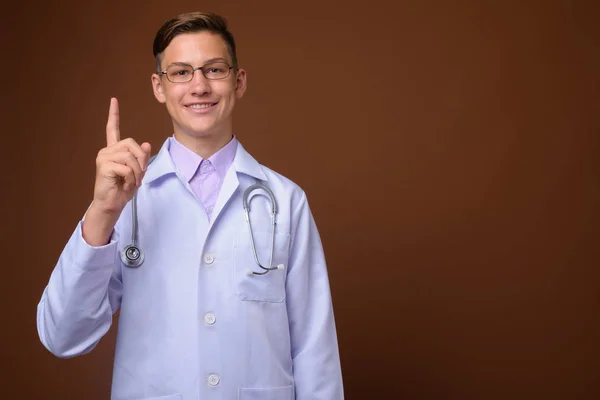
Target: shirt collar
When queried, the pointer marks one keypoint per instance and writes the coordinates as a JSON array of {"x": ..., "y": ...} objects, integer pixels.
[
  {"x": 163, "y": 163},
  {"x": 187, "y": 162}
]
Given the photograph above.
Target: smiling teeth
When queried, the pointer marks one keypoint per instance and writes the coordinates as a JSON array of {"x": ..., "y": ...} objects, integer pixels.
[{"x": 200, "y": 105}]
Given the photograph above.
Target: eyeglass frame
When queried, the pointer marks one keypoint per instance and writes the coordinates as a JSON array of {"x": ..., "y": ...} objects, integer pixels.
[{"x": 201, "y": 68}]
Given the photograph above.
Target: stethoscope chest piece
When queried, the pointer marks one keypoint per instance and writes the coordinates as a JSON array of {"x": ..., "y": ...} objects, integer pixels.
[{"x": 132, "y": 256}]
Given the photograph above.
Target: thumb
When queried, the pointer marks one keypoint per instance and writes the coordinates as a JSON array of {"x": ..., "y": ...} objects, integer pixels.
[{"x": 147, "y": 149}]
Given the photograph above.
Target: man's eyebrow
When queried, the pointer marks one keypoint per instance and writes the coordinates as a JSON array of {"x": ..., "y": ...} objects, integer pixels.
[
  {"x": 211, "y": 60},
  {"x": 178, "y": 63},
  {"x": 220, "y": 59}
]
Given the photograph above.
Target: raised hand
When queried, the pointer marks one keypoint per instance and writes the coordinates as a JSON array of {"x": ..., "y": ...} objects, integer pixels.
[{"x": 120, "y": 168}]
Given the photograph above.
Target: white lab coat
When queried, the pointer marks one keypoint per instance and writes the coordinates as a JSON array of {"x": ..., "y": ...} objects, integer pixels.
[{"x": 192, "y": 323}]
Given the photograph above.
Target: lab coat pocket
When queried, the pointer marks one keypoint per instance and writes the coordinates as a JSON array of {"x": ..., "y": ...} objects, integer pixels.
[
  {"x": 269, "y": 287},
  {"x": 278, "y": 393}
]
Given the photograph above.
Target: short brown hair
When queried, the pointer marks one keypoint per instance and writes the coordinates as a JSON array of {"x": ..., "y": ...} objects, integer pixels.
[{"x": 190, "y": 23}]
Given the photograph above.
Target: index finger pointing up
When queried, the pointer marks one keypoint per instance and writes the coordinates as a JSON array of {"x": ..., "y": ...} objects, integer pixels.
[{"x": 113, "y": 135}]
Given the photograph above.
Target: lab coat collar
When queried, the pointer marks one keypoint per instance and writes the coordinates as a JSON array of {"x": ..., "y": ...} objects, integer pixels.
[
  {"x": 163, "y": 164},
  {"x": 246, "y": 164}
]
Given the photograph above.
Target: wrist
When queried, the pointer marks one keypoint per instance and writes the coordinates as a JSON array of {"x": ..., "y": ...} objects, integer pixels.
[{"x": 98, "y": 225}]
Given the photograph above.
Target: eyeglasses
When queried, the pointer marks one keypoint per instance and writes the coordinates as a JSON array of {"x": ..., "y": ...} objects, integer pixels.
[{"x": 180, "y": 73}]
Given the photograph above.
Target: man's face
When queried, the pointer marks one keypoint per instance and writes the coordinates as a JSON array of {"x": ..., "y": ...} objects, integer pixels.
[{"x": 200, "y": 107}]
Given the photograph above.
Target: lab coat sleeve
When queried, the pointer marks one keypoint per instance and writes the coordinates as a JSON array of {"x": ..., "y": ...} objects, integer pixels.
[
  {"x": 83, "y": 293},
  {"x": 315, "y": 354}
]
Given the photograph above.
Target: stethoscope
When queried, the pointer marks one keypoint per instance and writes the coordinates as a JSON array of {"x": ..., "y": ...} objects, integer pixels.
[
  {"x": 247, "y": 192},
  {"x": 132, "y": 254}
]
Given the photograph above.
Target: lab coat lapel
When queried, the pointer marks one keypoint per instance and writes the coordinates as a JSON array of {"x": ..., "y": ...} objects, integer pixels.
[
  {"x": 242, "y": 163},
  {"x": 230, "y": 185}
]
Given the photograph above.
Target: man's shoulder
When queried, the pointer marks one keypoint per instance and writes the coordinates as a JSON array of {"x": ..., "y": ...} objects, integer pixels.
[{"x": 280, "y": 181}]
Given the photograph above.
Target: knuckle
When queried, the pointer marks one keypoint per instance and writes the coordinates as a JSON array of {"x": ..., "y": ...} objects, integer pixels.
[
  {"x": 131, "y": 160},
  {"x": 100, "y": 158},
  {"x": 102, "y": 167}
]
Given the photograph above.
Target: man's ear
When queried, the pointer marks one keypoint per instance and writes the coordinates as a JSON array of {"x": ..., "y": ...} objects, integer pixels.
[
  {"x": 241, "y": 83},
  {"x": 158, "y": 88}
]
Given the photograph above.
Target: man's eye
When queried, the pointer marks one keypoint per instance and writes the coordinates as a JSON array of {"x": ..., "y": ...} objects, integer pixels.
[{"x": 179, "y": 72}]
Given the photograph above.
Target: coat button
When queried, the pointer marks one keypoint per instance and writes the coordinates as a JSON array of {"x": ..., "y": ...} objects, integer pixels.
[
  {"x": 209, "y": 258},
  {"x": 213, "y": 379},
  {"x": 209, "y": 318}
]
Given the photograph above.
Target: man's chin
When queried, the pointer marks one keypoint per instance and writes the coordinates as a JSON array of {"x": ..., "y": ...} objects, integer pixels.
[{"x": 203, "y": 132}]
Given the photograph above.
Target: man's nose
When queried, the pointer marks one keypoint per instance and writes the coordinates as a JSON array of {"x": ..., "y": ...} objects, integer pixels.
[{"x": 199, "y": 84}]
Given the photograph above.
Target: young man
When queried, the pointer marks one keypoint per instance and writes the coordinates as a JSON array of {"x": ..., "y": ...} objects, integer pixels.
[{"x": 219, "y": 308}]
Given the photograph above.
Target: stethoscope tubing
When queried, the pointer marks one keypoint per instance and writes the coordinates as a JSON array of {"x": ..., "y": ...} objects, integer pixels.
[{"x": 133, "y": 255}]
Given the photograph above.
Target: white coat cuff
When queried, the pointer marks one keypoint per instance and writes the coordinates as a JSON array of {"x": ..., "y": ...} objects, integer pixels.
[{"x": 86, "y": 256}]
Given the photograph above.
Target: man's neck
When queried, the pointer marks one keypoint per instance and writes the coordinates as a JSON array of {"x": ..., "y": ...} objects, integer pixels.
[{"x": 204, "y": 146}]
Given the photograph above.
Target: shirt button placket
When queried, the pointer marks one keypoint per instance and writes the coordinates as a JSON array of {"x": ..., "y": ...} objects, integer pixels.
[{"x": 210, "y": 320}]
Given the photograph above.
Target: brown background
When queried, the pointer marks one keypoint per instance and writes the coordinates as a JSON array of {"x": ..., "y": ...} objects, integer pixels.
[{"x": 449, "y": 151}]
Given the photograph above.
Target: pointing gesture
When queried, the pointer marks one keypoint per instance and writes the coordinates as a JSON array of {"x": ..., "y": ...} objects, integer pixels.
[
  {"x": 113, "y": 135},
  {"x": 120, "y": 168}
]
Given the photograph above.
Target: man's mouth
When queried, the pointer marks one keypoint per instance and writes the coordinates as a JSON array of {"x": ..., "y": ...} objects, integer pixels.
[{"x": 199, "y": 106}]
